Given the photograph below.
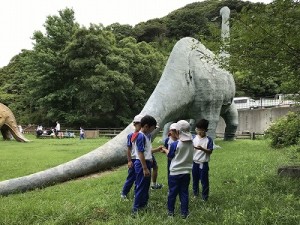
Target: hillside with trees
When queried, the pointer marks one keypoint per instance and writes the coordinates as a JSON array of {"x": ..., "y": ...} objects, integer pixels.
[{"x": 102, "y": 76}]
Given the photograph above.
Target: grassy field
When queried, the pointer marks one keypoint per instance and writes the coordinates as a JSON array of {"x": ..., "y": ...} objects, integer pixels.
[{"x": 245, "y": 188}]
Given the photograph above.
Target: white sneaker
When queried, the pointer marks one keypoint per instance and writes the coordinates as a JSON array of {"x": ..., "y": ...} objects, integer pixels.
[{"x": 124, "y": 197}]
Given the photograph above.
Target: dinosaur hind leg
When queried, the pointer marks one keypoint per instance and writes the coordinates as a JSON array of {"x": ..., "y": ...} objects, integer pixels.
[{"x": 230, "y": 116}]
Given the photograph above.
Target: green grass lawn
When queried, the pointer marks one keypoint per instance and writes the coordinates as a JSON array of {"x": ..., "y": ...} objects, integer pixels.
[{"x": 244, "y": 187}]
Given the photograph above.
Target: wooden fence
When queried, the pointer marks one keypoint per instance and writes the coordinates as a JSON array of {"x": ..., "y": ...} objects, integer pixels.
[
  {"x": 89, "y": 132},
  {"x": 244, "y": 135},
  {"x": 112, "y": 132}
]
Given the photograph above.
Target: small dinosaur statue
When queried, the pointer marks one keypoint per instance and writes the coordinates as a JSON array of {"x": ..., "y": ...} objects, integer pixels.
[{"x": 8, "y": 125}]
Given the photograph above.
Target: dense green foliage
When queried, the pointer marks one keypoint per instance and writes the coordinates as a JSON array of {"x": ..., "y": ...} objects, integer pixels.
[
  {"x": 239, "y": 194},
  {"x": 264, "y": 48},
  {"x": 285, "y": 131},
  {"x": 102, "y": 76},
  {"x": 81, "y": 75}
]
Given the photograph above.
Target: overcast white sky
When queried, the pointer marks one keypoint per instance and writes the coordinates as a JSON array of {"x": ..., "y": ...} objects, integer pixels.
[{"x": 20, "y": 18}]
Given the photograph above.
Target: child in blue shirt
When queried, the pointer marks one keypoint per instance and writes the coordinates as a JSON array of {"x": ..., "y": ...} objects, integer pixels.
[
  {"x": 131, "y": 157},
  {"x": 143, "y": 162},
  {"x": 203, "y": 145},
  {"x": 181, "y": 153},
  {"x": 172, "y": 136}
]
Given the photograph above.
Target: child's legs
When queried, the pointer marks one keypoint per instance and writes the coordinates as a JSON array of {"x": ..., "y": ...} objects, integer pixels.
[
  {"x": 155, "y": 170},
  {"x": 168, "y": 165},
  {"x": 184, "y": 193},
  {"x": 146, "y": 186},
  {"x": 196, "y": 178},
  {"x": 204, "y": 181},
  {"x": 142, "y": 186},
  {"x": 173, "y": 192},
  {"x": 154, "y": 174},
  {"x": 129, "y": 180}
]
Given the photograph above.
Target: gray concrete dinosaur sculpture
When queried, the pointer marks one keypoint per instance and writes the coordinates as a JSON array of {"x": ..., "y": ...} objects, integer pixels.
[
  {"x": 191, "y": 86},
  {"x": 8, "y": 125}
]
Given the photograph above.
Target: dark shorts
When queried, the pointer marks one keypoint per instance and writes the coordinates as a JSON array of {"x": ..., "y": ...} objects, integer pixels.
[{"x": 154, "y": 163}]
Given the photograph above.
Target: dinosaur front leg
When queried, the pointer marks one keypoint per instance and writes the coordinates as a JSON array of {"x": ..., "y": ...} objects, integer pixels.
[{"x": 5, "y": 133}]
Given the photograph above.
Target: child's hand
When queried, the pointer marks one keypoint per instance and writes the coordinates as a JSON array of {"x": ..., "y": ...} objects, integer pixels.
[
  {"x": 199, "y": 147},
  {"x": 129, "y": 164},
  {"x": 146, "y": 172},
  {"x": 163, "y": 150}
]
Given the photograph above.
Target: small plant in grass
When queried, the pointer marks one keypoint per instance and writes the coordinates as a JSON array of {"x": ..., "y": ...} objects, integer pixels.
[{"x": 285, "y": 131}]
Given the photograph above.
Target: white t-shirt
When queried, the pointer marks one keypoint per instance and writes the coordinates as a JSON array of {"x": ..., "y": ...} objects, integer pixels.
[
  {"x": 143, "y": 144},
  {"x": 205, "y": 142}
]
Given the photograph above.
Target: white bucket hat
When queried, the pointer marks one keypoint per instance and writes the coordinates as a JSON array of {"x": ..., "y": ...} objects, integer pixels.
[
  {"x": 138, "y": 118},
  {"x": 173, "y": 126},
  {"x": 184, "y": 130}
]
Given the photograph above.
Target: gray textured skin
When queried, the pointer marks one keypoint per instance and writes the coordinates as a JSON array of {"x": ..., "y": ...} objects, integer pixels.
[
  {"x": 8, "y": 125},
  {"x": 225, "y": 13},
  {"x": 225, "y": 31},
  {"x": 190, "y": 87}
]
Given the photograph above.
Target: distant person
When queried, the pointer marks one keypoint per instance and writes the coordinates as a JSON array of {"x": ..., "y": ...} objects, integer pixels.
[
  {"x": 181, "y": 152},
  {"x": 81, "y": 133},
  {"x": 20, "y": 129},
  {"x": 57, "y": 129},
  {"x": 39, "y": 130},
  {"x": 49, "y": 131},
  {"x": 52, "y": 132},
  {"x": 203, "y": 146}
]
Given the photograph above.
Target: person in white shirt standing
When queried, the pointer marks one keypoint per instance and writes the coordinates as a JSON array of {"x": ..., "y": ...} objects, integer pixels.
[
  {"x": 57, "y": 129},
  {"x": 81, "y": 133},
  {"x": 203, "y": 146}
]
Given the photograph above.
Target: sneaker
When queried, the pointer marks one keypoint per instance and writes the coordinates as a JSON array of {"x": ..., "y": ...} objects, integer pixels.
[
  {"x": 184, "y": 216},
  {"x": 124, "y": 197},
  {"x": 194, "y": 198},
  {"x": 134, "y": 214},
  {"x": 156, "y": 186},
  {"x": 170, "y": 214}
]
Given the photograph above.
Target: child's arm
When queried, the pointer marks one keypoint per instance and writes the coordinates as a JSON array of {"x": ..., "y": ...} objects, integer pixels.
[
  {"x": 165, "y": 150},
  {"x": 144, "y": 165},
  {"x": 129, "y": 161},
  {"x": 207, "y": 151},
  {"x": 158, "y": 149}
]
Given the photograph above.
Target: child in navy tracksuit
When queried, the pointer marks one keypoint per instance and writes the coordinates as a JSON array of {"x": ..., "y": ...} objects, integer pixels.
[
  {"x": 203, "y": 145},
  {"x": 181, "y": 152},
  {"x": 131, "y": 157},
  {"x": 143, "y": 162}
]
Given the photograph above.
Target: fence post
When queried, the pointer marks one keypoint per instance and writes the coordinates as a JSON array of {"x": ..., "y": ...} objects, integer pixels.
[{"x": 252, "y": 136}]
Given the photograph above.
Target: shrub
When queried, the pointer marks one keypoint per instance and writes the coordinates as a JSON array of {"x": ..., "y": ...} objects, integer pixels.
[{"x": 285, "y": 131}]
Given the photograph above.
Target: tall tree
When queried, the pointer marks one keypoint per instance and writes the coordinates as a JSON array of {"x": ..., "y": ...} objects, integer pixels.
[
  {"x": 150, "y": 31},
  {"x": 265, "y": 48},
  {"x": 120, "y": 30},
  {"x": 50, "y": 76},
  {"x": 116, "y": 77}
]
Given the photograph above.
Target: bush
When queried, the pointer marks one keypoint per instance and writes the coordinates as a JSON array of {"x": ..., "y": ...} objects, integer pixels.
[{"x": 285, "y": 131}]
